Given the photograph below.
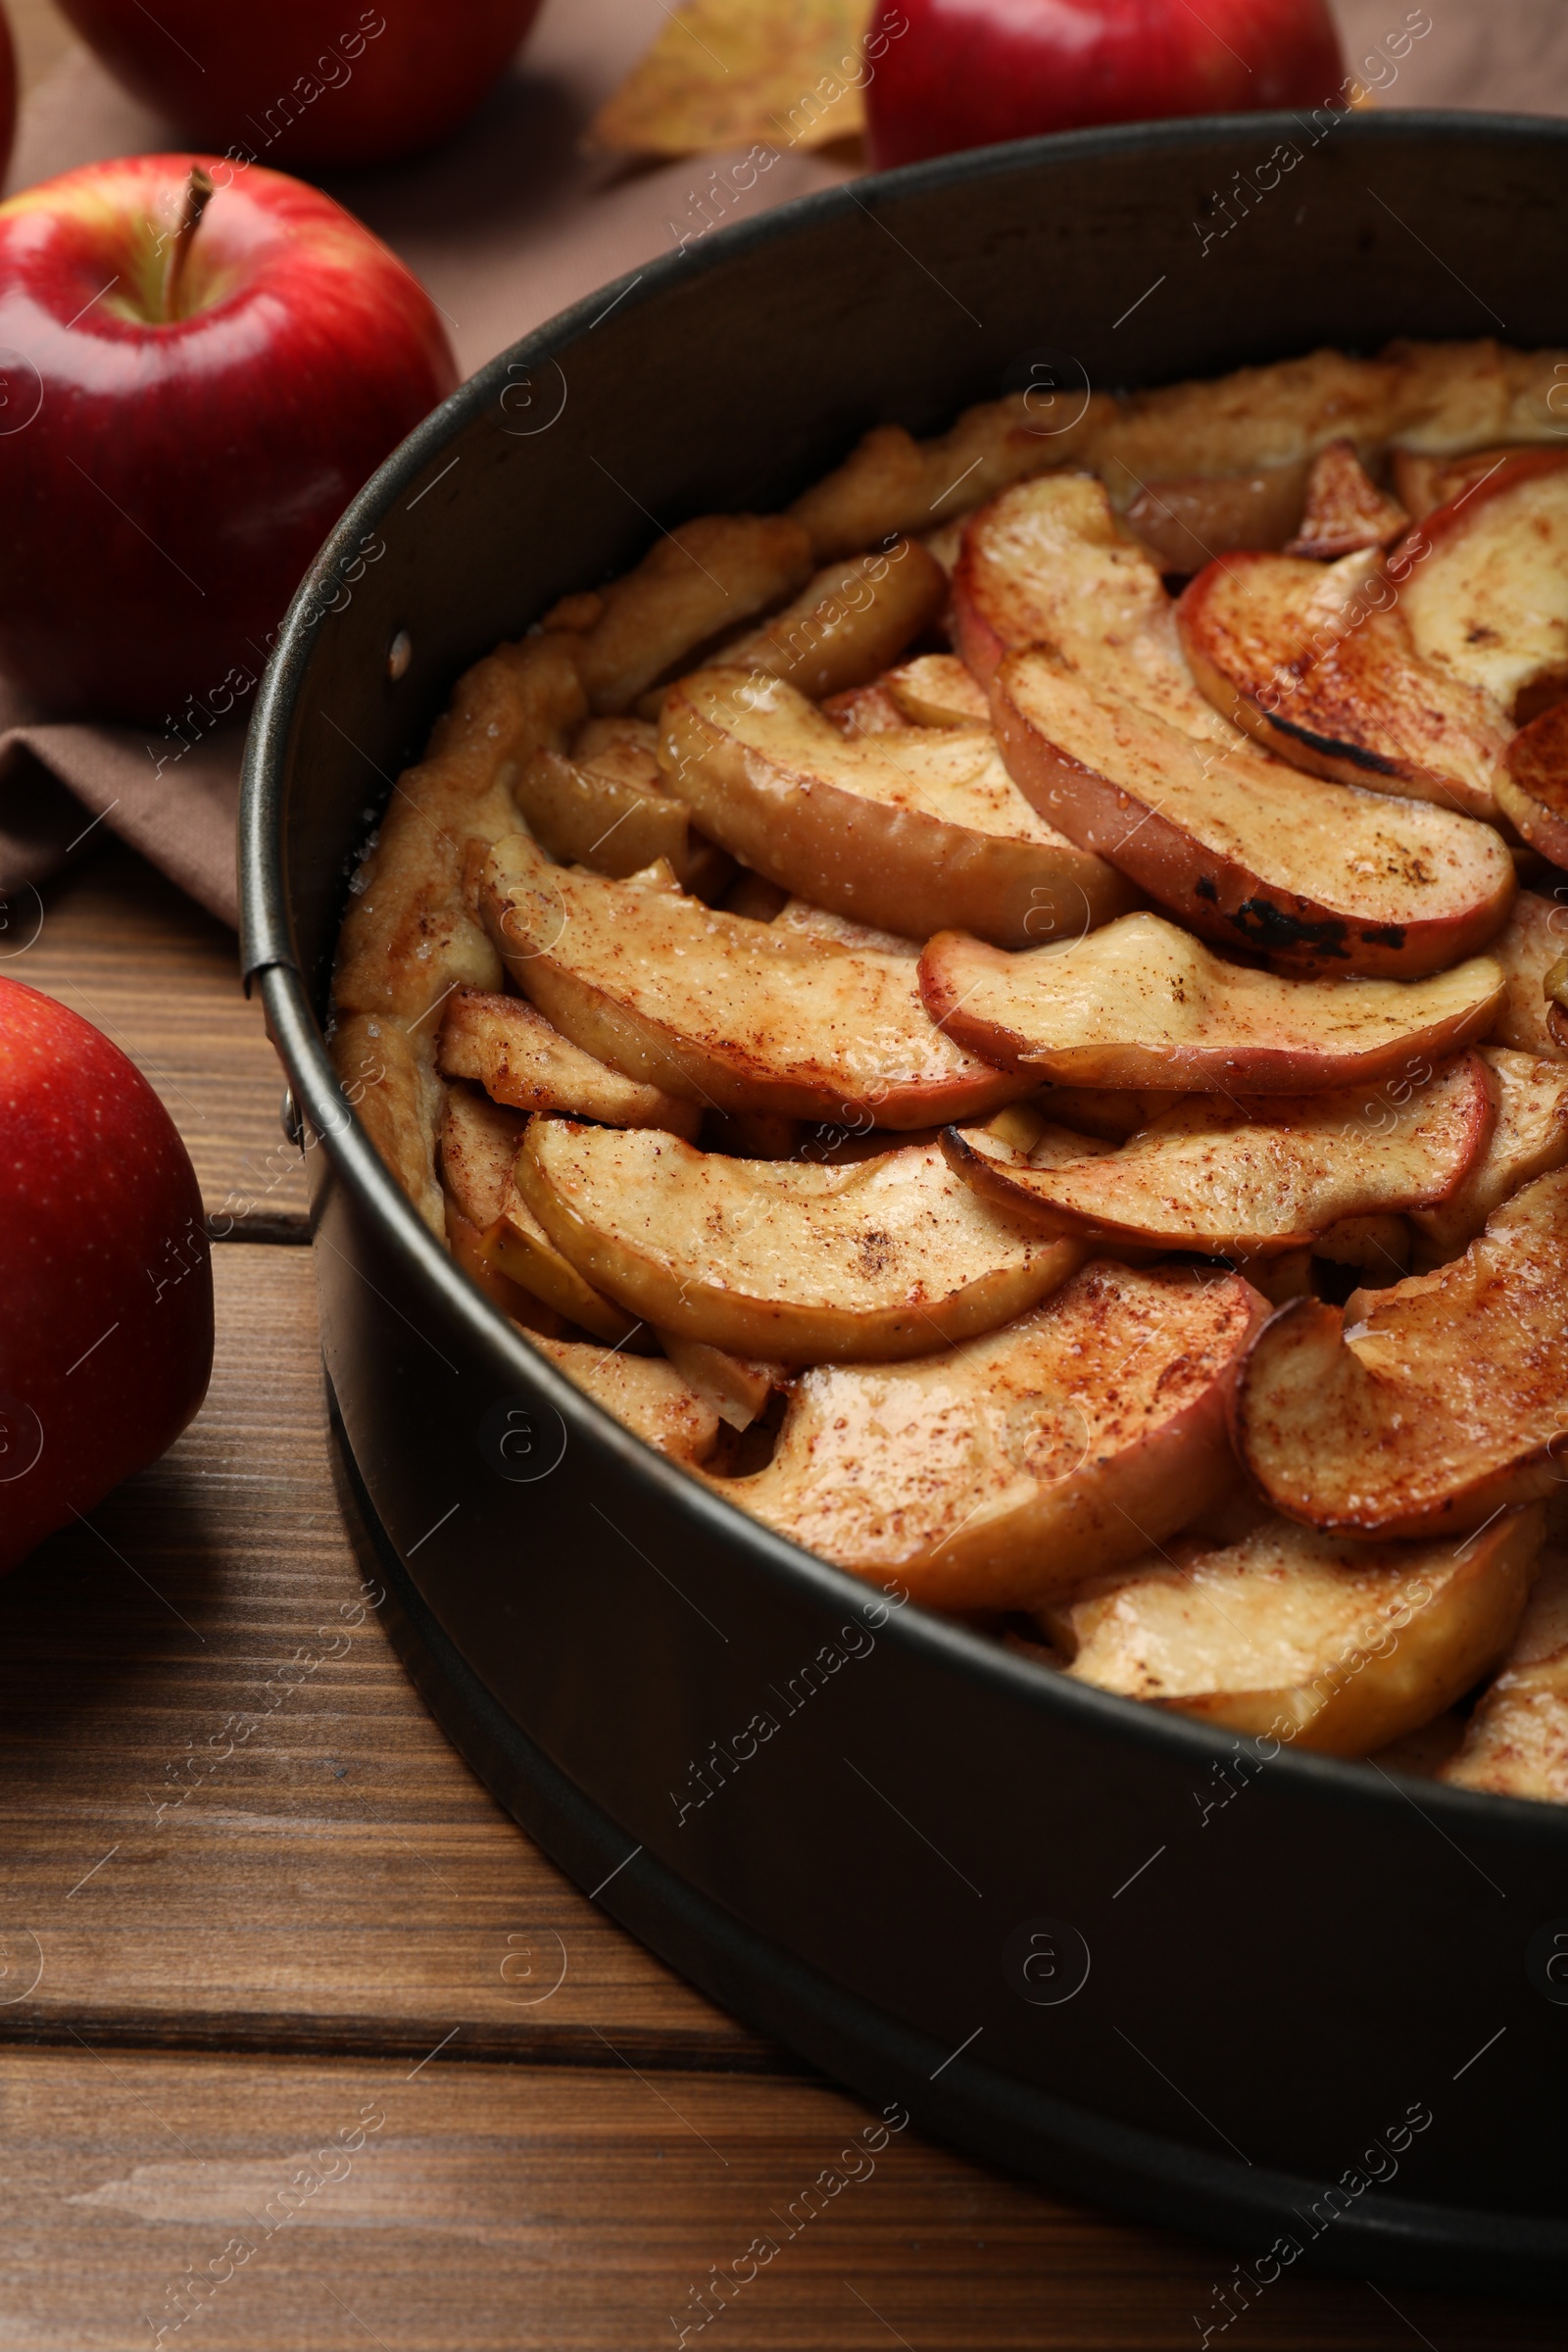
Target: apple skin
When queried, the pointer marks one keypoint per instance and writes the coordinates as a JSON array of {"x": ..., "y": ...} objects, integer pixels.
[
  {"x": 307, "y": 83},
  {"x": 106, "y": 1341},
  {"x": 970, "y": 73},
  {"x": 165, "y": 483}
]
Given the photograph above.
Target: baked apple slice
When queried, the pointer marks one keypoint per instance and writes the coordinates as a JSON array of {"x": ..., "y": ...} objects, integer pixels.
[
  {"x": 997, "y": 1474},
  {"x": 1532, "y": 790},
  {"x": 622, "y": 747},
  {"x": 479, "y": 1144},
  {"x": 518, "y": 1246},
  {"x": 1250, "y": 853},
  {"x": 915, "y": 831},
  {"x": 871, "y": 711},
  {"x": 1378, "y": 1247},
  {"x": 1320, "y": 667},
  {"x": 1241, "y": 1178},
  {"x": 1516, "y": 1741},
  {"x": 1427, "y": 1406},
  {"x": 1345, "y": 511},
  {"x": 409, "y": 931},
  {"x": 1424, "y": 481},
  {"x": 467, "y": 1244},
  {"x": 809, "y": 921},
  {"x": 737, "y": 1387},
  {"x": 1528, "y": 1139},
  {"x": 935, "y": 690},
  {"x": 848, "y": 622},
  {"x": 1259, "y": 425},
  {"x": 707, "y": 576},
  {"x": 1021, "y": 1137},
  {"x": 738, "y": 1014},
  {"x": 1303, "y": 1637},
  {"x": 592, "y": 816},
  {"x": 892, "y": 482},
  {"x": 1531, "y": 942},
  {"x": 1112, "y": 1113},
  {"x": 606, "y": 806},
  {"x": 1144, "y": 1005},
  {"x": 938, "y": 690},
  {"x": 1048, "y": 563},
  {"x": 1557, "y": 989},
  {"x": 518, "y": 1057},
  {"x": 646, "y": 1395},
  {"x": 890, "y": 1256},
  {"x": 1438, "y": 397},
  {"x": 1483, "y": 582},
  {"x": 1185, "y": 521},
  {"x": 399, "y": 1100}
]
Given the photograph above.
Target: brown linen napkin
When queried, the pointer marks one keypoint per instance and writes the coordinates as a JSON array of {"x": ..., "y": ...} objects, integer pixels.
[
  {"x": 60, "y": 783},
  {"x": 506, "y": 223}
]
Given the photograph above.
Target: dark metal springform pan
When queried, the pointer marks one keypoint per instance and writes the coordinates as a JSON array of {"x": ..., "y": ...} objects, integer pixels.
[{"x": 1318, "y": 2013}]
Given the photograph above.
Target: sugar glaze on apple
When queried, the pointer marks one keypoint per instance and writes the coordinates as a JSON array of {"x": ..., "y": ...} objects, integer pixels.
[{"x": 203, "y": 397}]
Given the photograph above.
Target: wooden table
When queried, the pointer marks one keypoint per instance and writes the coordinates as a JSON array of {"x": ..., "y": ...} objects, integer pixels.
[{"x": 245, "y": 1919}]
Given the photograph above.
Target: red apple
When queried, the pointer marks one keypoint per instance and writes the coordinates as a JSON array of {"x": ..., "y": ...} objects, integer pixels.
[
  {"x": 105, "y": 1333},
  {"x": 190, "y": 398},
  {"x": 307, "y": 82},
  {"x": 969, "y": 73}
]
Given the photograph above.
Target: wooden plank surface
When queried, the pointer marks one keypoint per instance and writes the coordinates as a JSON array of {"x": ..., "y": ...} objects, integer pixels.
[
  {"x": 208, "y": 1837},
  {"x": 493, "y": 2208}
]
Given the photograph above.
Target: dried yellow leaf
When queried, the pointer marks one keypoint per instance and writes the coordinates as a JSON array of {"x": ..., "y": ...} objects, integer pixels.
[{"x": 726, "y": 72}]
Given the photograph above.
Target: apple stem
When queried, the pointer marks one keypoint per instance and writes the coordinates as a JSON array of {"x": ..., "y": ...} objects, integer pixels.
[{"x": 199, "y": 193}]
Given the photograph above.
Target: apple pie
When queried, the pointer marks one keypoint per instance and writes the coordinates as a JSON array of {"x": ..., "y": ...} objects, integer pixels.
[{"x": 1013, "y": 1020}]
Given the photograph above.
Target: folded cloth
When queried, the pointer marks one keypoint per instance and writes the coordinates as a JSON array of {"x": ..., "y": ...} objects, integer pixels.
[
  {"x": 60, "y": 783},
  {"x": 506, "y": 224}
]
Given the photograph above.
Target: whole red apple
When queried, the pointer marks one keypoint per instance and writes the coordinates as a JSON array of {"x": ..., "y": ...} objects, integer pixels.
[
  {"x": 969, "y": 73},
  {"x": 190, "y": 398},
  {"x": 106, "y": 1330},
  {"x": 307, "y": 82}
]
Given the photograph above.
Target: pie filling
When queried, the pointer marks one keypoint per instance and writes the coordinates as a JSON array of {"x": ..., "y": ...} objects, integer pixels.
[{"x": 1042, "y": 1073}]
